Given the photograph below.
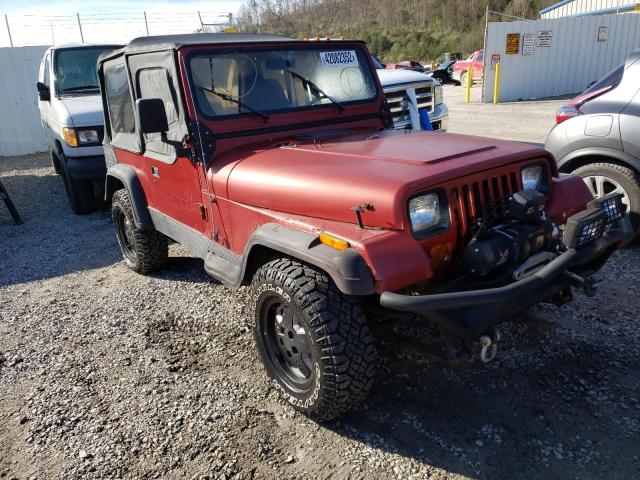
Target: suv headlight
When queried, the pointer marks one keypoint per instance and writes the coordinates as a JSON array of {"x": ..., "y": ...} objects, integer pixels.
[
  {"x": 533, "y": 178},
  {"x": 439, "y": 94},
  {"x": 76, "y": 137},
  {"x": 428, "y": 213}
]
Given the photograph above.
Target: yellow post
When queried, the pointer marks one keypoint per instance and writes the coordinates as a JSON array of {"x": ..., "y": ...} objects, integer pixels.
[
  {"x": 496, "y": 85},
  {"x": 469, "y": 82}
]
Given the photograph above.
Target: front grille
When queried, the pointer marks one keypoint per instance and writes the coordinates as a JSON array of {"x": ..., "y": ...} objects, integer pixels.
[
  {"x": 486, "y": 198},
  {"x": 399, "y": 102}
]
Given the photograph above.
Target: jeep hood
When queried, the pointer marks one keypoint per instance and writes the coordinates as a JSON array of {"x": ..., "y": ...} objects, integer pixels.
[
  {"x": 327, "y": 177},
  {"x": 84, "y": 110}
]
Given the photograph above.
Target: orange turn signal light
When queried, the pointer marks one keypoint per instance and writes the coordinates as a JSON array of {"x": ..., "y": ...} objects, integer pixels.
[
  {"x": 69, "y": 135},
  {"x": 333, "y": 242},
  {"x": 440, "y": 254}
]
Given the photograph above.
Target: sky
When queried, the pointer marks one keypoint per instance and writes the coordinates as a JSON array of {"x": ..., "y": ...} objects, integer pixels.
[{"x": 54, "y": 21}]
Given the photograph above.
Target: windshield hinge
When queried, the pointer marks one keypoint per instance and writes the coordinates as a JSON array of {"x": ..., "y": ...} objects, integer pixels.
[{"x": 204, "y": 139}]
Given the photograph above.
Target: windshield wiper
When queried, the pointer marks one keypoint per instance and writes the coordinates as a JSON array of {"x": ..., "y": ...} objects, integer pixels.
[
  {"x": 237, "y": 101},
  {"x": 80, "y": 87},
  {"x": 318, "y": 91}
]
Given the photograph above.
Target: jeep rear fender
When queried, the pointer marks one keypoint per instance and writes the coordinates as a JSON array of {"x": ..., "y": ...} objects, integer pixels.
[
  {"x": 583, "y": 156},
  {"x": 123, "y": 176},
  {"x": 346, "y": 268}
]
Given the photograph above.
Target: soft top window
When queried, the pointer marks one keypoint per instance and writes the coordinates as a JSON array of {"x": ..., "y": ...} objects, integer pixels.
[
  {"x": 119, "y": 101},
  {"x": 240, "y": 82},
  {"x": 76, "y": 70}
]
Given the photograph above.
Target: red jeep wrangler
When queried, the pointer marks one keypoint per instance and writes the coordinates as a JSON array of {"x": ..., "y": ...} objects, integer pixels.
[{"x": 268, "y": 159}]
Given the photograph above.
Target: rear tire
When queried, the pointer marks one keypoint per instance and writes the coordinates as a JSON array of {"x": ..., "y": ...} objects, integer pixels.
[
  {"x": 80, "y": 193},
  {"x": 604, "y": 178},
  {"x": 313, "y": 340},
  {"x": 144, "y": 250},
  {"x": 463, "y": 79}
]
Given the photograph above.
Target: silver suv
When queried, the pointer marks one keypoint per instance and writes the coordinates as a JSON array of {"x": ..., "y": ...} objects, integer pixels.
[{"x": 597, "y": 135}]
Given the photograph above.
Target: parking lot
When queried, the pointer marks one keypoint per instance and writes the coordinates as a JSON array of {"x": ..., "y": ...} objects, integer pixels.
[
  {"x": 105, "y": 373},
  {"x": 520, "y": 121}
]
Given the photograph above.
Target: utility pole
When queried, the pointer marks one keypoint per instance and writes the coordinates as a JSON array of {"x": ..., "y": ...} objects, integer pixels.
[
  {"x": 80, "y": 27},
  {"x": 6, "y": 20},
  {"x": 146, "y": 24}
]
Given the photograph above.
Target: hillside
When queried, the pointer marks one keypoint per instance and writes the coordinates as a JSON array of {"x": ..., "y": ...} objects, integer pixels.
[{"x": 394, "y": 29}]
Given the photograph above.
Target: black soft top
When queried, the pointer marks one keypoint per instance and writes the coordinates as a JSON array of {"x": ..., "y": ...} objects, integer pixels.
[{"x": 174, "y": 42}]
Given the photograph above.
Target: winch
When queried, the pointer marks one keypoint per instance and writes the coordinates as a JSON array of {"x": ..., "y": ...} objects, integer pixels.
[{"x": 524, "y": 232}]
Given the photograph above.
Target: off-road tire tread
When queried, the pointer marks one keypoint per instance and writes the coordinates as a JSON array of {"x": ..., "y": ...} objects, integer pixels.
[
  {"x": 630, "y": 175},
  {"x": 348, "y": 355},
  {"x": 152, "y": 247}
]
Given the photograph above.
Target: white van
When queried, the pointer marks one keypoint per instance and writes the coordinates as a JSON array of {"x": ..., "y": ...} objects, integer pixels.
[{"x": 71, "y": 112}]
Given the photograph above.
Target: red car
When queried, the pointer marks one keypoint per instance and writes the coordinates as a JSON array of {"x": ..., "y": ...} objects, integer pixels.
[
  {"x": 268, "y": 159},
  {"x": 407, "y": 65},
  {"x": 461, "y": 68}
]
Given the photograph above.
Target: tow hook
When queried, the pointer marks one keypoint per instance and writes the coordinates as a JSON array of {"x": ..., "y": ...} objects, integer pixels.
[
  {"x": 588, "y": 285},
  {"x": 489, "y": 346}
]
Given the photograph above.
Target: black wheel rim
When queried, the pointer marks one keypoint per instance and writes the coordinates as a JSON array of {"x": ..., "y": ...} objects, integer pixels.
[
  {"x": 287, "y": 343},
  {"x": 124, "y": 229}
]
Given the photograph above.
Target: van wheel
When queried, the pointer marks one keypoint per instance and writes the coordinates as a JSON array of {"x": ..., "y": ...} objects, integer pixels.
[
  {"x": 144, "y": 250},
  {"x": 79, "y": 193},
  {"x": 463, "y": 79},
  {"x": 55, "y": 162},
  {"x": 313, "y": 340},
  {"x": 605, "y": 178}
]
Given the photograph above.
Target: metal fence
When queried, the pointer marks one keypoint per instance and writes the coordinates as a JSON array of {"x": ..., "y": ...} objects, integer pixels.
[
  {"x": 547, "y": 58},
  {"x": 116, "y": 27},
  {"x": 20, "y": 128}
]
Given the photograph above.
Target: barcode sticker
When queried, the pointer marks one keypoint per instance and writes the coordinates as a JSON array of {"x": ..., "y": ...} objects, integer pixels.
[{"x": 339, "y": 58}]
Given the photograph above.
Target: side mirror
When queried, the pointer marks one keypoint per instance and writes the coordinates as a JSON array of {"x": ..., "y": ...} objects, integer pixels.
[
  {"x": 152, "y": 116},
  {"x": 43, "y": 92}
]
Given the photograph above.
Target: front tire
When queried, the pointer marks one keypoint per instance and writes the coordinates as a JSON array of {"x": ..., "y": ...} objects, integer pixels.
[
  {"x": 55, "y": 162},
  {"x": 80, "y": 193},
  {"x": 313, "y": 340},
  {"x": 144, "y": 250},
  {"x": 605, "y": 178}
]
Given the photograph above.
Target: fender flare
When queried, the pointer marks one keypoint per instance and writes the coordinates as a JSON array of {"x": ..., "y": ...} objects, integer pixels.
[
  {"x": 566, "y": 164},
  {"x": 127, "y": 176},
  {"x": 347, "y": 268}
]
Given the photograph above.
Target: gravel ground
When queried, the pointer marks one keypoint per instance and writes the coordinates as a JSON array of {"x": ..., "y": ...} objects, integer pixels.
[
  {"x": 106, "y": 374},
  {"x": 528, "y": 121}
]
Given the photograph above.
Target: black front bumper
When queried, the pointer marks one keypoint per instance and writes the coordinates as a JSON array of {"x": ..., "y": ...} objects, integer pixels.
[
  {"x": 87, "y": 168},
  {"x": 470, "y": 314}
]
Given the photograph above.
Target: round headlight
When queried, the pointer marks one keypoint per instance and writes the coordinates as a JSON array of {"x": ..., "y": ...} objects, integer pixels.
[
  {"x": 424, "y": 211},
  {"x": 532, "y": 177}
]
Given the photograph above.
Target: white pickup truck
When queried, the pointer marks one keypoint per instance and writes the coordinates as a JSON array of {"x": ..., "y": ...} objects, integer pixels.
[
  {"x": 407, "y": 93},
  {"x": 71, "y": 112}
]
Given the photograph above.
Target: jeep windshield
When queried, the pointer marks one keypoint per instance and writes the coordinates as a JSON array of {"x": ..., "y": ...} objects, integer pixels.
[
  {"x": 255, "y": 81},
  {"x": 76, "y": 69}
]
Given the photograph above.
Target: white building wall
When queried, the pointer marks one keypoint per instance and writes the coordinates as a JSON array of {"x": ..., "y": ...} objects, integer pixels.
[
  {"x": 20, "y": 128},
  {"x": 574, "y": 60},
  {"x": 582, "y": 7}
]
